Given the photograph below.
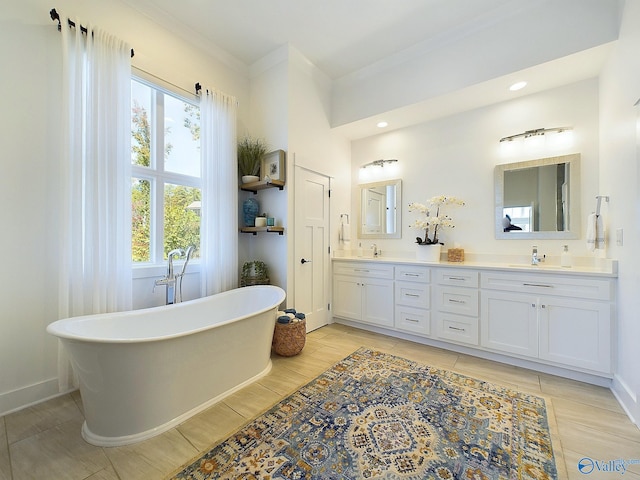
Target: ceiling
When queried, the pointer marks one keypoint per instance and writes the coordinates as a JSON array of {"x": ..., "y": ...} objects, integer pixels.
[
  {"x": 338, "y": 36},
  {"x": 347, "y": 39}
]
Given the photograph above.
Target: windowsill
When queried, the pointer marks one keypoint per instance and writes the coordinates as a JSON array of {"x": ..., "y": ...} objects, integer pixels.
[{"x": 160, "y": 270}]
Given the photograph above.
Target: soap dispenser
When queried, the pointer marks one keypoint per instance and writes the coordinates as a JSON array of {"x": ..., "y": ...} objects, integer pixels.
[{"x": 565, "y": 257}]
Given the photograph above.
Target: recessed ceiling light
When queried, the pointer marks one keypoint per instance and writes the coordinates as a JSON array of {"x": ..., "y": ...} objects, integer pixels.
[
  {"x": 382, "y": 124},
  {"x": 517, "y": 86}
]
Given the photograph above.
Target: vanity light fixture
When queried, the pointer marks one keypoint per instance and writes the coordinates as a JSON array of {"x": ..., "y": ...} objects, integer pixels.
[
  {"x": 379, "y": 163},
  {"x": 536, "y": 132}
]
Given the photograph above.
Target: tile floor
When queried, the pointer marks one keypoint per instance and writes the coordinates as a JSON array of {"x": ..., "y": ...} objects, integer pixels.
[{"x": 44, "y": 441}]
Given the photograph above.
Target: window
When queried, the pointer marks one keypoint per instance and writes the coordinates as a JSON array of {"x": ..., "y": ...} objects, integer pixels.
[
  {"x": 165, "y": 179},
  {"x": 521, "y": 216}
]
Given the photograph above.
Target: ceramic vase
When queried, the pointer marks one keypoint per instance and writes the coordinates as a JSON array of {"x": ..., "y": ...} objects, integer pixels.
[
  {"x": 250, "y": 178},
  {"x": 428, "y": 253},
  {"x": 250, "y": 208}
]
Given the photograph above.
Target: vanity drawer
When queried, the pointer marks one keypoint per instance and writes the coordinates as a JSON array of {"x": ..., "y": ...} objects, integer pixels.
[
  {"x": 412, "y": 273},
  {"x": 463, "y": 301},
  {"x": 363, "y": 269},
  {"x": 457, "y": 278},
  {"x": 547, "y": 284},
  {"x": 414, "y": 320},
  {"x": 412, "y": 294},
  {"x": 457, "y": 328}
]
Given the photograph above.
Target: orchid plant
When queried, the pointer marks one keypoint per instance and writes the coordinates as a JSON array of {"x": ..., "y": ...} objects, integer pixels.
[{"x": 431, "y": 223}]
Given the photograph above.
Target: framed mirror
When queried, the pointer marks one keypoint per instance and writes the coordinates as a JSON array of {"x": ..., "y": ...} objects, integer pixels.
[
  {"x": 538, "y": 199},
  {"x": 379, "y": 211}
]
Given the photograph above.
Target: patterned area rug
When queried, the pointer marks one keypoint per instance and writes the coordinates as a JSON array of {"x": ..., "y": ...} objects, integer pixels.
[{"x": 374, "y": 416}]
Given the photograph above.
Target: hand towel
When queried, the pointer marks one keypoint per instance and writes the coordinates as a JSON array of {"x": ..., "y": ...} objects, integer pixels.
[
  {"x": 591, "y": 232},
  {"x": 345, "y": 233}
]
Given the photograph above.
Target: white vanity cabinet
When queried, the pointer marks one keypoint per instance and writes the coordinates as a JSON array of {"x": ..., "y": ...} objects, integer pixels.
[
  {"x": 412, "y": 299},
  {"x": 563, "y": 319},
  {"x": 560, "y": 322},
  {"x": 456, "y": 305},
  {"x": 364, "y": 292}
]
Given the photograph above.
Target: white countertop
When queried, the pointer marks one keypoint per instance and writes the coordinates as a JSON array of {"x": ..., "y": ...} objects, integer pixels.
[{"x": 588, "y": 266}]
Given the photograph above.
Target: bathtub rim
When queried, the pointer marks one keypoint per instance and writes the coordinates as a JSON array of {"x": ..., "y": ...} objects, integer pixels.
[
  {"x": 102, "y": 441},
  {"x": 57, "y": 328}
]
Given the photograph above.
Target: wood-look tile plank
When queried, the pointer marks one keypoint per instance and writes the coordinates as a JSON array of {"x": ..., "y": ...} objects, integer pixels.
[
  {"x": 41, "y": 417},
  {"x": 601, "y": 419},
  {"x": 59, "y": 452},
  {"x": 5, "y": 463},
  {"x": 499, "y": 373},
  {"x": 252, "y": 400},
  {"x": 153, "y": 458},
  {"x": 587, "y": 393},
  {"x": 589, "y": 441},
  {"x": 211, "y": 426}
]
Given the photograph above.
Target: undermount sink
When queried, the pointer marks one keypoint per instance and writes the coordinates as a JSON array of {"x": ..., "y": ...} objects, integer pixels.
[{"x": 533, "y": 267}]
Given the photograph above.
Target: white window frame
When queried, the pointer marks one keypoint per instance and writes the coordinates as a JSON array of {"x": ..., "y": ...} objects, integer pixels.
[{"x": 158, "y": 176}]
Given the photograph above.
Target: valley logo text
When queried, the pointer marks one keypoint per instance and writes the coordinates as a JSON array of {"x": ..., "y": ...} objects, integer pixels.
[{"x": 587, "y": 465}]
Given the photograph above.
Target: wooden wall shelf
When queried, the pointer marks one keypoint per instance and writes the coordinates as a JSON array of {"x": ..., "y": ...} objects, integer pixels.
[
  {"x": 262, "y": 185},
  {"x": 255, "y": 230}
]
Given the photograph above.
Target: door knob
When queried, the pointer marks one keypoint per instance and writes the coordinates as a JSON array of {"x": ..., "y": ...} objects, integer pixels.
[{"x": 303, "y": 261}]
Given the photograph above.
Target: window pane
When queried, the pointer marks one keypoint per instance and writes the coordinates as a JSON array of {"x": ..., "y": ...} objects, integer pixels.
[
  {"x": 181, "y": 218},
  {"x": 181, "y": 137},
  {"x": 141, "y": 96},
  {"x": 140, "y": 220}
]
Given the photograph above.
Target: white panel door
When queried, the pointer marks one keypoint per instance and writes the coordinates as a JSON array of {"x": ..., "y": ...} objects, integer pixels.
[{"x": 311, "y": 246}]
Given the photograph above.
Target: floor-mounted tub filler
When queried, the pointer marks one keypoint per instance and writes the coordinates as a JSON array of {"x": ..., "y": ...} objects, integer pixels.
[{"x": 145, "y": 371}]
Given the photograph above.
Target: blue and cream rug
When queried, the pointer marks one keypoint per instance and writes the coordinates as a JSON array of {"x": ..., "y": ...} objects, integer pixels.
[{"x": 374, "y": 416}]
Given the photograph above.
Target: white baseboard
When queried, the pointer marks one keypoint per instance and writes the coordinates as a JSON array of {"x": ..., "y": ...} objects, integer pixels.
[
  {"x": 627, "y": 399},
  {"x": 26, "y": 396}
]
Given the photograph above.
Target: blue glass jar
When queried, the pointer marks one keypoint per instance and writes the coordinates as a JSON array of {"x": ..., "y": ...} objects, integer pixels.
[{"x": 250, "y": 209}]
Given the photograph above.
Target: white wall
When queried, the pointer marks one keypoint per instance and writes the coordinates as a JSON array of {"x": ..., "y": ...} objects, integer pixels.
[
  {"x": 457, "y": 155},
  {"x": 290, "y": 101},
  {"x": 620, "y": 141},
  {"x": 30, "y": 51}
]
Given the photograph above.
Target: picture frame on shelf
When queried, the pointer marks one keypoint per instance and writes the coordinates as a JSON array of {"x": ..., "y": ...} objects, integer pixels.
[{"x": 273, "y": 166}]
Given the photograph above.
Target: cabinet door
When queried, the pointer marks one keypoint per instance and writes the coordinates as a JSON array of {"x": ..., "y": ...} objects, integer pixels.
[
  {"x": 377, "y": 301},
  {"x": 347, "y": 297},
  {"x": 509, "y": 323},
  {"x": 576, "y": 333}
]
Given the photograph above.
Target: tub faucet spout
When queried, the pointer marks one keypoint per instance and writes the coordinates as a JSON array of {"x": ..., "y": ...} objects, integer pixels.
[
  {"x": 171, "y": 280},
  {"x": 173, "y": 253}
]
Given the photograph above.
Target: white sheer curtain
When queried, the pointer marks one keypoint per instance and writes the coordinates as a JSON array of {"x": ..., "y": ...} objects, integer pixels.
[
  {"x": 95, "y": 214},
  {"x": 219, "y": 221}
]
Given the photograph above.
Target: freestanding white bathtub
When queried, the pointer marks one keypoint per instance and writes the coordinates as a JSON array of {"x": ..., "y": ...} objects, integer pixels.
[{"x": 143, "y": 372}]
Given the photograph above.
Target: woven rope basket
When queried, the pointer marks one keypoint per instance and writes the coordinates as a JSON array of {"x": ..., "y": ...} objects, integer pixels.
[{"x": 289, "y": 338}]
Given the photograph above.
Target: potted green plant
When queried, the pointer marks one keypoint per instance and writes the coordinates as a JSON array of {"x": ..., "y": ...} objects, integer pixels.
[
  {"x": 254, "y": 273},
  {"x": 250, "y": 153}
]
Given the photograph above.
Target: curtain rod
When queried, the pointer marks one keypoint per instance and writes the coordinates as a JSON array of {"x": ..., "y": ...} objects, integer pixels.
[
  {"x": 162, "y": 80},
  {"x": 55, "y": 16}
]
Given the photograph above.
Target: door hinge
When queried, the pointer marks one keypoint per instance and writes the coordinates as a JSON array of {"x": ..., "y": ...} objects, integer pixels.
[
  {"x": 329, "y": 250},
  {"x": 328, "y": 306},
  {"x": 329, "y": 191}
]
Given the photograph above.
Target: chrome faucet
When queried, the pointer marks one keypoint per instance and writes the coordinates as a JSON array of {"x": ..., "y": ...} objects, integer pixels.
[
  {"x": 172, "y": 281},
  {"x": 535, "y": 259}
]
